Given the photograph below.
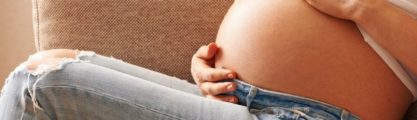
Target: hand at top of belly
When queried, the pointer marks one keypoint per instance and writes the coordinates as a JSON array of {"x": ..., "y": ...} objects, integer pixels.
[{"x": 345, "y": 9}]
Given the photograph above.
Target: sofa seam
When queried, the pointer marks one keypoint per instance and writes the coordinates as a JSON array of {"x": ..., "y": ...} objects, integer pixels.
[
  {"x": 37, "y": 22},
  {"x": 38, "y": 46}
]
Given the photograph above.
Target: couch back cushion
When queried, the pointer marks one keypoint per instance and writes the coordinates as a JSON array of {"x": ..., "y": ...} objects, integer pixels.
[{"x": 161, "y": 35}]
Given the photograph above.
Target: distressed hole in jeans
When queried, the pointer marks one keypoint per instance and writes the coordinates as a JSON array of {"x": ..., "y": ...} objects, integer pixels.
[{"x": 42, "y": 63}]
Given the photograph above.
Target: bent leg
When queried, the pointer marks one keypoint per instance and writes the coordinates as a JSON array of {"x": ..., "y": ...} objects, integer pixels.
[
  {"x": 40, "y": 61},
  {"x": 140, "y": 72},
  {"x": 81, "y": 90}
]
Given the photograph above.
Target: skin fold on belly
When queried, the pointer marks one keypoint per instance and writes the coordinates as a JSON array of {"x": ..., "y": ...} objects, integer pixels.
[{"x": 287, "y": 46}]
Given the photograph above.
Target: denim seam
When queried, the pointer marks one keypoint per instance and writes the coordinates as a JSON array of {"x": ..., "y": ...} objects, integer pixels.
[
  {"x": 251, "y": 95},
  {"x": 116, "y": 98},
  {"x": 300, "y": 97}
]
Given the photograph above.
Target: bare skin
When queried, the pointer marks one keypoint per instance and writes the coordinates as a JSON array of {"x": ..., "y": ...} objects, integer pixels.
[
  {"x": 205, "y": 75},
  {"x": 390, "y": 26},
  {"x": 50, "y": 57},
  {"x": 203, "y": 61},
  {"x": 339, "y": 67}
]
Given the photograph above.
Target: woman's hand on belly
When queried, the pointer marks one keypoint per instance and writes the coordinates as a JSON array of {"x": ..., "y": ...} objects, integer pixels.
[{"x": 207, "y": 78}]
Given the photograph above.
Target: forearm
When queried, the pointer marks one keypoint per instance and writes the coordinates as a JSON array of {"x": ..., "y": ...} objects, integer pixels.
[{"x": 393, "y": 29}]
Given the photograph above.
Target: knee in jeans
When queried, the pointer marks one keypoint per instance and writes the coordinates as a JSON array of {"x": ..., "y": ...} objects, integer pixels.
[{"x": 39, "y": 62}]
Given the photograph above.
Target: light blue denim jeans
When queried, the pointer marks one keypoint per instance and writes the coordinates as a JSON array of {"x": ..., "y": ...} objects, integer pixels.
[
  {"x": 95, "y": 87},
  {"x": 271, "y": 105}
]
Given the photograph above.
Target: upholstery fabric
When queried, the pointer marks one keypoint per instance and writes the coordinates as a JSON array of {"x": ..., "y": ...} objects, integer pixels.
[{"x": 161, "y": 35}]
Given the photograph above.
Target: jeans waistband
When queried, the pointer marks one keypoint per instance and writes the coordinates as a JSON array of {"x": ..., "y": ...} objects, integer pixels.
[{"x": 256, "y": 98}]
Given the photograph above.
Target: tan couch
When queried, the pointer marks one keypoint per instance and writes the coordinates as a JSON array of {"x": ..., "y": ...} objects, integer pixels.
[{"x": 158, "y": 34}]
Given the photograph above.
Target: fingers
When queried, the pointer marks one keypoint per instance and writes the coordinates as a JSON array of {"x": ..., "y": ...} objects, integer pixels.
[
  {"x": 207, "y": 52},
  {"x": 225, "y": 98},
  {"x": 217, "y": 90},
  {"x": 207, "y": 74},
  {"x": 202, "y": 66},
  {"x": 211, "y": 88}
]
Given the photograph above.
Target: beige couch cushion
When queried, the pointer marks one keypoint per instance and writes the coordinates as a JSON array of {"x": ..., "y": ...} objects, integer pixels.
[
  {"x": 161, "y": 35},
  {"x": 158, "y": 34}
]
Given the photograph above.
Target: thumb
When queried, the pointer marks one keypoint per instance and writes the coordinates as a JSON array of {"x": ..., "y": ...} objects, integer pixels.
[{"x": 212, "y": 50}]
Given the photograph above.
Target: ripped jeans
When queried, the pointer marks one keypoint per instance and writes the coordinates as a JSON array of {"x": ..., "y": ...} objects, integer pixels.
[{"x": 96, "y": 87}]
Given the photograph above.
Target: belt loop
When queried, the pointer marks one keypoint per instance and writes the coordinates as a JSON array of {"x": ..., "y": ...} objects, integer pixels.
[
  {"x": 346, "y": 115},
  {"x": 252, "y": 93}
]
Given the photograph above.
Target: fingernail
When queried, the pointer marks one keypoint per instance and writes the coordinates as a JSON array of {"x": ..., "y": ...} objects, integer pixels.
[
  {"x": 230, "y": 75},
  {"x": 230, "y": 87}
]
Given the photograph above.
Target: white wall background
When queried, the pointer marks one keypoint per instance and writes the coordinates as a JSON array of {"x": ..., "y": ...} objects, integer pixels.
[{"x": 16, "y": 35}]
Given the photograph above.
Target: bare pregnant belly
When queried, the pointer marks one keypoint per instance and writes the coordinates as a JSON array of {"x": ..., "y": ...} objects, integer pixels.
[{"x": 287, "y": 46}]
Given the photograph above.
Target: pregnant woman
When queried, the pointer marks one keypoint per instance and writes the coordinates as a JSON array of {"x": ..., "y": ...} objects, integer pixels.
[{"x": 272, "y": 60}]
